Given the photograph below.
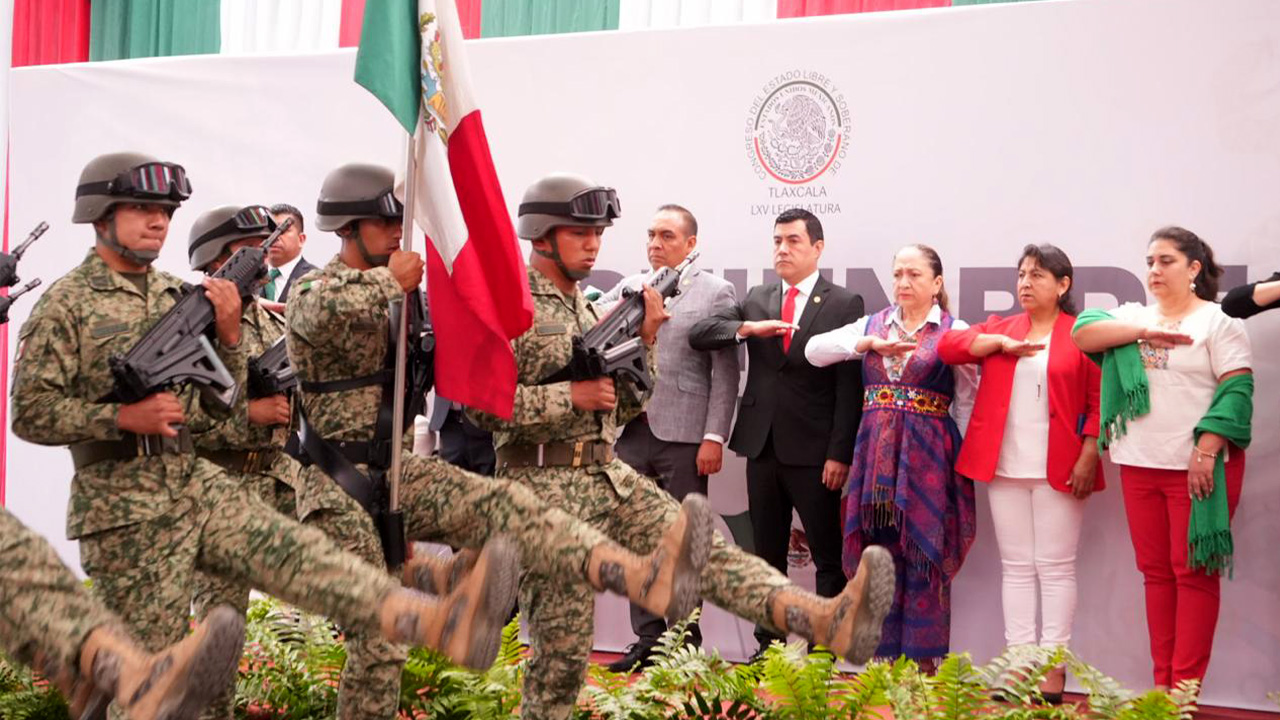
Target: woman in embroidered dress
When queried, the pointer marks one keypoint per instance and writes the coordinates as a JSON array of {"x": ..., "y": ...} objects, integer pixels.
[
  {"x": 903, "y": 490},
  {"x": 1177, "y": 399}
]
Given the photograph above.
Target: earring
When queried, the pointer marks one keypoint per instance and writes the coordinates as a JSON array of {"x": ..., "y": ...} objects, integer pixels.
[{"x": 1193, "y": 286}]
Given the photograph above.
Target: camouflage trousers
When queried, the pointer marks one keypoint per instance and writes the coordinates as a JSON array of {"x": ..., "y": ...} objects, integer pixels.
[
  {"x": 146, "y": 571},
  {"x": 446, "y": 504},
  {"x": 632, "y": 510},
  {"x": 211, "y": 591},
  {"x": 45, "y": 611}
]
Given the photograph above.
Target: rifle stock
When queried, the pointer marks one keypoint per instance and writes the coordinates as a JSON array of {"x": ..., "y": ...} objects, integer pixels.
[
  {"x": 177, "y": 349},
  {"x": 613, "y": 346}
]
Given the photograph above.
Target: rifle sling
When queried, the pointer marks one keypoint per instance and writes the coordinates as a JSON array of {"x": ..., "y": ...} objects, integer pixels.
[{"x": 332, "y": 386}]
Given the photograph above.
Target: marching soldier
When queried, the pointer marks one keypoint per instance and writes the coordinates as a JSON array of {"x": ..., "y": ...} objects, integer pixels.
[
  {"x": 147, "y": 512},
  {"x": 339, "y": 334},
  {"x": 49, "y": 621},
  {"x": 249, "y": 446},
  {"x": 559, "y": 443}
]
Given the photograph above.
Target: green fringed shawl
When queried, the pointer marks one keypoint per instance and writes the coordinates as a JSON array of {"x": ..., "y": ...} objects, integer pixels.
[
  {"x": 1209, "y": 543},
  {"x": 1124, "y": 393}
]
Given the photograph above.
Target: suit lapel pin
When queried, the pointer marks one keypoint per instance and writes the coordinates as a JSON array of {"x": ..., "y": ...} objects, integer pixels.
[{"x": 817, "y": 299}]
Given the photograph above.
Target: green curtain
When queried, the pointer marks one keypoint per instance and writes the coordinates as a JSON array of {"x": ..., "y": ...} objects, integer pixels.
[
  {"x": 122, "y": 29},
  {"x": 504, "y": 18}
]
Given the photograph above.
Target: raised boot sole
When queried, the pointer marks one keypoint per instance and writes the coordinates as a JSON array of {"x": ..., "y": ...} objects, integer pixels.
[
  {"x": 695, "y": 550},
  {"x": 490, "y": 608},
  {"x": 878, "y": 600},
  {"x": 210, "y": 670}
]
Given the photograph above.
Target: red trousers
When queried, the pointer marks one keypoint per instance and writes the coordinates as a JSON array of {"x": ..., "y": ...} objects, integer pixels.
[{"x": 1182, "y": 605}]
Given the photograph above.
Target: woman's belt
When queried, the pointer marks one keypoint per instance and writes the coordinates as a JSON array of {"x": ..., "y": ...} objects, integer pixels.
[{"x": 905, "y": 398}]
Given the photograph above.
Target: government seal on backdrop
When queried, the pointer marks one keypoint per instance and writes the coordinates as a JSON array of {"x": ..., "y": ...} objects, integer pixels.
[{"x": 798, "y": 128}]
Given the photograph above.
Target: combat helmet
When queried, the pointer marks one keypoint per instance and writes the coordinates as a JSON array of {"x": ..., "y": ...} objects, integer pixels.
[
  {"x": 213, "y": 231},
  {"x": 561, "y": 199},
  {"x": 356, "y": 191},
  {"x": 127, "y": 177}
]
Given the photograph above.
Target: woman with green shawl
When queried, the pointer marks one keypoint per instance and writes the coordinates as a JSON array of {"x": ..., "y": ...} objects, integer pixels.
[{"x": 1177, "y": 400}]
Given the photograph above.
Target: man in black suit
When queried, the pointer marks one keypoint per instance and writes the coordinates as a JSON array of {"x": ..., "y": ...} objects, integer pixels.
[
  {"x": 285, "y": 260},
  {"x": 796, "y": 423}
]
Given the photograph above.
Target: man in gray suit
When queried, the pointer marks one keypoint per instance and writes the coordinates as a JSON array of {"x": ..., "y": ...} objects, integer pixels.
[{"x": 680, "y": 440}]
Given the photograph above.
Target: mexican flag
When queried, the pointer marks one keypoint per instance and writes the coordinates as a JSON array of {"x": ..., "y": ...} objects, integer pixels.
[{"x": 412, "y": 58}]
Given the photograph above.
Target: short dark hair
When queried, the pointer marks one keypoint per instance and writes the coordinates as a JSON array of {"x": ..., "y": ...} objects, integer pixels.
[
  {"x": 291, "y": 211},
  {"x": 812, "y": 224},
  {"x": 1190, "y": 244},
  {"x": 1051, "y": 258},
  {"x": 690, "y": 222}
]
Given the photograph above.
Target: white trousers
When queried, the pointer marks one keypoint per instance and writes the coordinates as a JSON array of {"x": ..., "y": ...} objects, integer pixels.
[{"x": 1037, "y": 530}]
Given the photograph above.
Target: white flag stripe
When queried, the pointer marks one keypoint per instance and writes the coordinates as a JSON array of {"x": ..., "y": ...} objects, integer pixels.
[
  {"x": 436, "y": 208},
  {"x": 279, "y": 26},
  {"x": 457, "y": 86},
  {"x": 643, "y": 14}
]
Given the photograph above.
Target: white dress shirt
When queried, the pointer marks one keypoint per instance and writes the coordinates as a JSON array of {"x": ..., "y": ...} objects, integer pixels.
[
  {"x": 841, "y": 344},
  {"x": 285, "y": 271},
  {"x": 805, "y": 287}
]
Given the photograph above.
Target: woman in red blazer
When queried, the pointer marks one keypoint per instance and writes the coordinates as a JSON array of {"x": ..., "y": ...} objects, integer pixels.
[{"x": 1032, "y": 436}]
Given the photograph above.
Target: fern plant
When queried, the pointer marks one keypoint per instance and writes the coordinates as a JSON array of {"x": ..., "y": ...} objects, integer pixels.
[{"x": 24, "y": 697}]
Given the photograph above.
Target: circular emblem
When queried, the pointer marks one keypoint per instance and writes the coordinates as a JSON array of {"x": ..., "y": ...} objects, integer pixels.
[{"x": 799, "y": 129}]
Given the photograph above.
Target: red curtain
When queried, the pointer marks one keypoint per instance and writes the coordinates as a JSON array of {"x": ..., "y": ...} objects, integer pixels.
[
  {"x": 50, "y": 31},
  {"x": 353, "y": 19},
  {"x": 807, "y": 8}
]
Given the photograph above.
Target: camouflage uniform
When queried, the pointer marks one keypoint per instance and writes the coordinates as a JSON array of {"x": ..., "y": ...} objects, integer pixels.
[
  {"x": 147, "y": 524},
  {"x": 337, "y": 324},
  {"x": 45, "y": 613},
  {"x": 627, "y": 506}
]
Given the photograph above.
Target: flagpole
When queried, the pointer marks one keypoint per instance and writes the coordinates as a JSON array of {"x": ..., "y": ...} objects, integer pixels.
[{"x": 397, "y": 418}]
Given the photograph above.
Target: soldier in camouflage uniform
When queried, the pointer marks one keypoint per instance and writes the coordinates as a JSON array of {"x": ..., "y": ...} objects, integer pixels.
[
  {"x": 559, "y": 443},
  {"x": 337, "y": 324},
  {"x": 249, "y": 446},
  {"x": 49, "y": 621},
  {"x": 148, "y": 512}
]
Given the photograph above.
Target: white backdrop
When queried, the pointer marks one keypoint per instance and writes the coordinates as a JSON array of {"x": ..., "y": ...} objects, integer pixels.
[{"x": 1083, "y": 123}]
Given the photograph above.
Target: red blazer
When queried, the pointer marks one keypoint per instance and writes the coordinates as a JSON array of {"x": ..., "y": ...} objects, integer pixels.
[{"x": 1073, "y": 398}]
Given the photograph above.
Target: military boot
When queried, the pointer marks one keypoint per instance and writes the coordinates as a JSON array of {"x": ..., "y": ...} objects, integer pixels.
[
  {"x": 437, "y": 575},
  {"x": 174, "y": 684},
  {"x": 849, "y": 623},
  {"x": 664, "y": 582},
  {"x": 466, "y": 624}
]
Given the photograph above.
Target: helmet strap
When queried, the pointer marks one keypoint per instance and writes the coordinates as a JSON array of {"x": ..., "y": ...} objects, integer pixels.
[
  {"x": 111, "y": 239},
  {"x": 554, "y": 256},
  {"x": 372, "y": 260}
]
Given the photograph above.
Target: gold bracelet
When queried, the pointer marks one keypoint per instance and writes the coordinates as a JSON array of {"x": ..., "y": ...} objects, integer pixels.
[{"x": 1200, "y": 454}]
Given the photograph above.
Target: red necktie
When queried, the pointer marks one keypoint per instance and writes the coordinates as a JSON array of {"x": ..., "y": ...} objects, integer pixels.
[{"x": 789, "y": 315}]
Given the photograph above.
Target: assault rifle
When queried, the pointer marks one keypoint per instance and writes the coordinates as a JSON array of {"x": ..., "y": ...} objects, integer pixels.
[
  {"x": 613, "y": 345},
  {"x": 177, "y": 348},
  {"x": 270, "y": 373},
  {"x": 9, "y": 260},
  {"x": 5, "y": 302}
]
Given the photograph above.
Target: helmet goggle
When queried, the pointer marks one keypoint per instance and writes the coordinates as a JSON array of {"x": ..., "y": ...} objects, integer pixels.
[
  {"x": 249, "y": 219},
  {"x": 385, "y": 205},
  {"x": 154, "y": 180},
  {"x": 599, "y": 203}
]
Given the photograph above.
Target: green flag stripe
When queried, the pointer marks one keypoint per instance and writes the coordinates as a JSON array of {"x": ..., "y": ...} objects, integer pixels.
[
  {"x": 121, "y": 29},
  {"x": 505, "y": 18},
  {"x": 389, "y": 59}
]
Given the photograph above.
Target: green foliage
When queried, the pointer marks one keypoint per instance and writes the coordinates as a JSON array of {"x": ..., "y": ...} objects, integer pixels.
[
  {"x": 23, "y": 697},
  {"x": 293, "y": 662}
]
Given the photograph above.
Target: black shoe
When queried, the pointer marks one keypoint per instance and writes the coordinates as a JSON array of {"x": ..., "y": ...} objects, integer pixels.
[{"x": 639, "y": 656}]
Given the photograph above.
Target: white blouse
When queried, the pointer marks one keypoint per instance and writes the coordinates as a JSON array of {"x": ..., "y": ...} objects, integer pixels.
[
  {"x": 1182, "y": 382},
  {"x": 841, "y": 344},
  {"x": 1024, "y": 453}
]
